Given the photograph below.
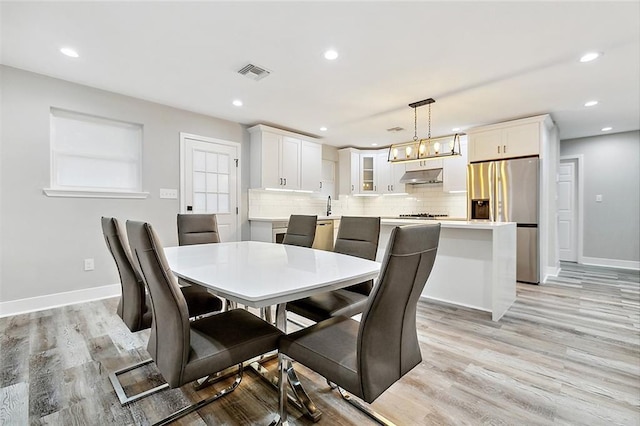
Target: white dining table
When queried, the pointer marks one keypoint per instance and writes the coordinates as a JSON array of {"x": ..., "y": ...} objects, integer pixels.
[{"x": 259, "y": 274}]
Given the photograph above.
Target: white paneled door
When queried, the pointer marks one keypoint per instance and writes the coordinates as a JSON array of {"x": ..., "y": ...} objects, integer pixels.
[
  {"x": 568, "y": 211},
  {"x": 209, "y": 181}
]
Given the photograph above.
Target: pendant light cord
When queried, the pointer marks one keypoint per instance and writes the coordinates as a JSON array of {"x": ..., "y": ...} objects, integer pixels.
[{"x": 415, "y": 124}]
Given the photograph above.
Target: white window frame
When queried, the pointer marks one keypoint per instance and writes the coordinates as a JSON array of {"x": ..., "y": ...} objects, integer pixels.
[{"x": 58, "y": 190}]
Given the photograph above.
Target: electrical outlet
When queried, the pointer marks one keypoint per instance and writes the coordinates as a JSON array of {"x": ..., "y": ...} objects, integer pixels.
[
  {"x": 171, "y": 194},
  {"x": 599, "y": 198},
  {"x": 89, "y": 265}
]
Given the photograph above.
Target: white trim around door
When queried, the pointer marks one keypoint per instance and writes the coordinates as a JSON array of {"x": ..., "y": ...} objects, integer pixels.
[
  {"x": 183, "y": 170},
  {"x": 579, "y": 159}
]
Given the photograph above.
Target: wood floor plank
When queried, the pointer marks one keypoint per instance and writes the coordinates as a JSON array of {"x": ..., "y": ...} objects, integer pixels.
[{"x": 566, "y": 353}]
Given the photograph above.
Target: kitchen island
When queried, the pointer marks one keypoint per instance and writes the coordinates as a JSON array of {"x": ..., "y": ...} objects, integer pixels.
[{"x": 475, "y": 266}]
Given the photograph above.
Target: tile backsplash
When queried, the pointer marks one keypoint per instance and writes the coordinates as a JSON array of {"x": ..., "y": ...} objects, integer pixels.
[{"x": 420, "y": 199}]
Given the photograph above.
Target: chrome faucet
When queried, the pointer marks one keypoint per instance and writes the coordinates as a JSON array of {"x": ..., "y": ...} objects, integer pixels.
[{"x": 329, "y": 205}]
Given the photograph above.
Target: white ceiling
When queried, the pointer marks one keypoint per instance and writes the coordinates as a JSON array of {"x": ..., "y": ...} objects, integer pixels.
[{"x": 483, "y": 62}]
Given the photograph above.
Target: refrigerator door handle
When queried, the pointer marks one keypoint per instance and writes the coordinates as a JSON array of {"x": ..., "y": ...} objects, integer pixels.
[{"x": 492, "y": 191}]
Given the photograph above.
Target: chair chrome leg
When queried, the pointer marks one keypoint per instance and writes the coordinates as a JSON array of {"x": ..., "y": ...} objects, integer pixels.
[
  {"x": 281, "y": 419},
  {"x": 117, "y": 386},
  {"x": 309, "y": 408},
  {"x": 211, "y": 379},
  {"x": 194, "y": 407},
  {"x": 365, "y": 408}
]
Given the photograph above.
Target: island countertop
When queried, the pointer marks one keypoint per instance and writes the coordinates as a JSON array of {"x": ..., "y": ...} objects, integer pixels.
[{"x": 457, "y": 223}]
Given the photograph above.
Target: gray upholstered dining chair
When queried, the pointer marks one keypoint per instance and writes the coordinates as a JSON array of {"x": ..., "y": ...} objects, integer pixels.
[
  {"x": 301, "y": 230},
  {"x": 357, "y": 236},
  {"x": 134, "y": 306},
  {"x": 197, "y": 229},
  {"x": 367, "y": 357},
  {"x": 186, "y": 350}
]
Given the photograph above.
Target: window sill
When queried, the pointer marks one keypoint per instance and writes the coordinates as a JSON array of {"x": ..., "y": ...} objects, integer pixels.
[{"x": 84, "y": 193}]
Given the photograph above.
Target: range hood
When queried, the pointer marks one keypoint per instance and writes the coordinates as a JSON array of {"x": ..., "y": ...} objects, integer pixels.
[{"x": 415, "y": 177}]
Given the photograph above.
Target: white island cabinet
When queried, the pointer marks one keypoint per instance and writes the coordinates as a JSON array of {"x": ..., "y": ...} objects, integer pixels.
[{"x": 475, "y": 266}]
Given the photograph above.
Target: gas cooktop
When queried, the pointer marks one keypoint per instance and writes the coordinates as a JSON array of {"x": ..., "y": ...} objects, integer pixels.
[{"x": 422, "y": 216}]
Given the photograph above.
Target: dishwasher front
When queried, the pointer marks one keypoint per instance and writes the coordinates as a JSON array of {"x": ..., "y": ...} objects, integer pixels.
[{"x": 324, "y": 235}]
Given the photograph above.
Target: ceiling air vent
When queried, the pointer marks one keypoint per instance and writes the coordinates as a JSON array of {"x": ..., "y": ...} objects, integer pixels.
[
  {"x": 395, "y": 129},
  {"x": 254, "y": 72}
]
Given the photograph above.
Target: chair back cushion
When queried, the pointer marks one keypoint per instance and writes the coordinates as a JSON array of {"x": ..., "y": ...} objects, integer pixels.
[
  {"x": 197, "y": 229},
  {"x": 169, "y": 339},
  {"x": 387, "y": 344},
  {"x": 301, "y": 230},
  {"x": 359, "y": 236},
  {"x": 132, "y": 306}
]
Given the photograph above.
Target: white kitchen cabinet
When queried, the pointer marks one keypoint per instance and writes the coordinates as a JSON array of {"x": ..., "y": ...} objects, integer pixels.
[
  {"x": 519, "y": 138},
  {"x": 435, "y": 163},
  {"x": 368, "y": 173},
  {"x": 389, "y": 174},
  {"x": 454, "y": 170},
  {"x": 278, "y": 157},
  {"x": 311, "y": 166},
  {"x": 328, "y": 178},
  {"x": 349, "y": 171},
  {"x": 290, "y": 162}
]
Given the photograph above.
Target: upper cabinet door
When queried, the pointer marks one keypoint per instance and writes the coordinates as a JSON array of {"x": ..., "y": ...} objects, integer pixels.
[
  {"x": 424, "y": 165},
  {"x": 519, "y": 138},
  {"x": 485, "y": 146},
  {"x": 454, "y": 170},
  {"x": 311, "y": 166},
  {"x": 368, "y": 184},
  {"x": 270, "y": 162},
  {"x": 290, "y": 162},
  {"x": 521, "y": 141}
]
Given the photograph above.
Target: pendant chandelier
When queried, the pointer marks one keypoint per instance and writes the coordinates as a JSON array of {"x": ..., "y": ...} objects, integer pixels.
[{"x": 424, "y": 149}]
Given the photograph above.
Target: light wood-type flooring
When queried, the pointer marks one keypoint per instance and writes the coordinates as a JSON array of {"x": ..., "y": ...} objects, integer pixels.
[{"x": 567, "y": 352}]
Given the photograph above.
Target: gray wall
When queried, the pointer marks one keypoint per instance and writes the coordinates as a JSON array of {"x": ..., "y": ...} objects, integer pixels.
[
  {"x": 45, "y": 239},
  {"x": 611, "y": 168}
]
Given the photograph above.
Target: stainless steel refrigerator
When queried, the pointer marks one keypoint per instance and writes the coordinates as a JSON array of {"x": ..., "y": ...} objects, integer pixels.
[{"x": 508, "y": 191}]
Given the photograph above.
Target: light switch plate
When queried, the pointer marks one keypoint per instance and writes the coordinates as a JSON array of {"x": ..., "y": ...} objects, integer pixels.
[
  {"x": 599, "y": 198},
  {"x": 171, "y": 194},
  {"x": 89, "y": 265}
]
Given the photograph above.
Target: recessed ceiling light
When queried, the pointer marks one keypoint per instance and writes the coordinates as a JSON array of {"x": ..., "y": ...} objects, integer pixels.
[
  {"x": 591, "y": 103},
  {"x": 455, "y": 129},
  {"x": 374, "y": 144},
  {"x": 69, "y": 52},
  {"x": 323, "y": 129},
  {"x": 606, "y": 129},
  {"x": 237, "y": 103},
  {"x": 588, "y": 57},
  {"x": 330, "y": 54}
]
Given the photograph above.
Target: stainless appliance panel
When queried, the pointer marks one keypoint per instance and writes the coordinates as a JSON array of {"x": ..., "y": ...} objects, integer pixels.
[
  {"x": 527, "y": 262},
  {"x": 480, "y": 186},
  {"x": 517, "y": 190}
]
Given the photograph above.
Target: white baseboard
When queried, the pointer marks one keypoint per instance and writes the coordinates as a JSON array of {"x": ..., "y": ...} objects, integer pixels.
[
  {"x": 611, "y": 263},
  {"x": 449, "y": 302},
  {"x": 550, "y": 272},
  {"x": 39, "y": 303}
]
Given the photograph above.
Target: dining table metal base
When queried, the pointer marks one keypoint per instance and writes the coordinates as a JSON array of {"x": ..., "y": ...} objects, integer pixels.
[{"x": 299, "y": 399}]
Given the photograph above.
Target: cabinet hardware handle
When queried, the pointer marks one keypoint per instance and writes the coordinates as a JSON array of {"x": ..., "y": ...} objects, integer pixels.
[
  {"x": 352, "y": 187},
  {"x": 280, "y": 181},
  {"x": 498, "y": 149},
  {"x": 285, "y": 181},
  {"x": 504, "y": 149},
  {"x": 320, "y": 185},
  {"x": 391, "y": 188}
]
